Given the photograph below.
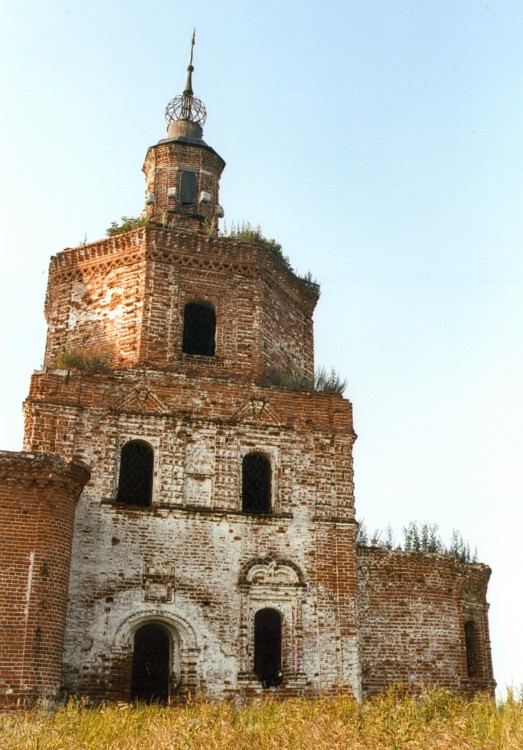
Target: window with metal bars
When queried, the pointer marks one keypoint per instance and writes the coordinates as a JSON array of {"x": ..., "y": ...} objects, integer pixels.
[
  {"x": 199, "y": 329},
  {"x": 135, "y": 482},
  {"x": 471, "y": 646},
  {"x": 256, "y": 483}
]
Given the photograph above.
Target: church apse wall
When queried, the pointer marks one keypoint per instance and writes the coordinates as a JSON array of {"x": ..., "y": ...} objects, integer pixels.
[{"x": 423, "y": 621}]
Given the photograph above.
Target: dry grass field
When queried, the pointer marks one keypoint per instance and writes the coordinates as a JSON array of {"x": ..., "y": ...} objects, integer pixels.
[{"x": 390, "y": 722}]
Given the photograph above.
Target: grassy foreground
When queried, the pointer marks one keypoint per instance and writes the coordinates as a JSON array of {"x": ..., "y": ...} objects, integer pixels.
[{"x": 390, "y": 722}]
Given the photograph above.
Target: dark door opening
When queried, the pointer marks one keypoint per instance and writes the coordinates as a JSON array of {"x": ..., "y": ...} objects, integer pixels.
[
  {"x": 151, "y": 664},
  {"x": 267, "y": 647}
]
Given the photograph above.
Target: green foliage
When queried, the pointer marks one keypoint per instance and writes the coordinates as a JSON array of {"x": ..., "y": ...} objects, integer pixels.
[
  {"x": 321, "y": 382},
  {"x": 127, "y": 223},
  {"x": 418, "y": 537},
  {"x": 422, "y": 537},
  {"x": 328, "y": 382},
  {"x": 85, "y": 360},
  {"x": 460, "y": 549},
  {"x": 248, "y": 233}
]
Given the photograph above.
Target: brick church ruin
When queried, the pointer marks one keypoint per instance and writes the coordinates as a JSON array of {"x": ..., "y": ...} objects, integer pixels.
[{"x": 183, "y": 521}]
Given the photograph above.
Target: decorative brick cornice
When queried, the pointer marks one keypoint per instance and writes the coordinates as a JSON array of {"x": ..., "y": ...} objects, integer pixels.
[{"x": 184, "y": 250}]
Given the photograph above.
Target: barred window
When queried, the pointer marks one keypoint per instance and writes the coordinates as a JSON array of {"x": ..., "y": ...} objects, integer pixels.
[
  {"x": 135, "y": 482},
  {"x": 267, "y": 647},
  {"x": 199, "y": 329},
  {"x": 256, "y": 483},
  {"x": 471, "y": 646}
]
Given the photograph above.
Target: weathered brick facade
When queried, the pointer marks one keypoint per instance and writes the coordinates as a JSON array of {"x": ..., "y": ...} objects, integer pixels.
[{"x": 227, "y": 586}]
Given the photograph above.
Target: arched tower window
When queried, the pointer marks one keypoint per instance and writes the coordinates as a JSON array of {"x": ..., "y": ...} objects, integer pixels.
[
  {"x": 471, "y": 646},
  {"x": 151, "y": 664},
  {"x": 199, "y": 329},
  {"x": 256, "y": 483},
  {"x": 135, "y": 483},
  {"x": 267, "y": 647}
]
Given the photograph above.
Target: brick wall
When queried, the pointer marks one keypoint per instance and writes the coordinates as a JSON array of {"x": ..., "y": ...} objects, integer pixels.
[
  {"x": 412, "y": 608},
  {"x": 38, "y": 494}
]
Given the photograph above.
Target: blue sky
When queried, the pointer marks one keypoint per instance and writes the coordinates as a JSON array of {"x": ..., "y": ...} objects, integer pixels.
[{"x": 382, "y": 144}]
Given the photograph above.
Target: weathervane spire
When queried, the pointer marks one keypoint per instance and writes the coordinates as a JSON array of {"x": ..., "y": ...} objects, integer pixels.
[
  {"x": 187, "y": 107},
  {"x": 188, "y": 84}
]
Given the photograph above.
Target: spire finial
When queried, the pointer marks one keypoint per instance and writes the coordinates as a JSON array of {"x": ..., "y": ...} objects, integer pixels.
[
  {"x": 187, "y": 107},
  {"x": 193, "y": 41},
  {"x": 188, "y": 84}
]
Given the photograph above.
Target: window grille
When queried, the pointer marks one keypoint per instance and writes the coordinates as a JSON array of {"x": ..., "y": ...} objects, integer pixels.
[
  {"x": 135, "y": 483},
  {"x": 199, "y": 329},
  {"x": 256, "y": 483},
  {"x": 267, "y": 647}
]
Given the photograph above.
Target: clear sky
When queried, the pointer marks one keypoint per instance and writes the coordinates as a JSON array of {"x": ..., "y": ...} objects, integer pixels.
[{"x": 381, "y": 142}]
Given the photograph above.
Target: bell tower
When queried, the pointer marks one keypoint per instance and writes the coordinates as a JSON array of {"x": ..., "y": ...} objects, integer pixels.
[
  {"x": 220, "y": 510},
  {"x": 182, "y": 172}
]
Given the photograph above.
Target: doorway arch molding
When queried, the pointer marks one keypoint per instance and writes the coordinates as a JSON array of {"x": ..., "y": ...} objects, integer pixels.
[{"x": 180, "y": 630}]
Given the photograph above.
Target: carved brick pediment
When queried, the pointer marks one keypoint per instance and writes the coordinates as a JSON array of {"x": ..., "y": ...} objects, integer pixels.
[
  {"x": 270, "y": 572},
  {"x": 140, "y": 399},
  {"x": 256, "y": 409}
]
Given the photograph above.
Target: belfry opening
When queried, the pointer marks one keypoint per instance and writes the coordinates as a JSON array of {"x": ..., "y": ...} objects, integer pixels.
[{"x": 199, "y": 329}]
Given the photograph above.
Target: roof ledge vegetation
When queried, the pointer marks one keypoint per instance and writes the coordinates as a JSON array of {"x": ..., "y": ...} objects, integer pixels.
[
  {"x": 418, "y": 537},
  {"x": 246, "y": 232}
]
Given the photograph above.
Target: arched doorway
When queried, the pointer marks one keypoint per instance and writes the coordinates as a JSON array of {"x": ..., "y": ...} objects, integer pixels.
[
  {"x": 151, "y": 664},
  {"x": 267, "y": 647}
]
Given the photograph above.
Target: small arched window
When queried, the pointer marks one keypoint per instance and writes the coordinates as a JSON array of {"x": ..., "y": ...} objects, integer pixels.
[
  {"x": 135, "y": 482},
  {"x": 267, "y": 647},
  {"x": 256, "y": 483},
  {"x": 471, "y": 646},
  {"x": 199, "y": 329}
]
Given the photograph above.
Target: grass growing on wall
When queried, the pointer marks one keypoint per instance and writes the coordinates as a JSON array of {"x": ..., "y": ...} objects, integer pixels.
[
  {"x": 90, "y": 361},
  {"x": 437, "y": 721}
]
